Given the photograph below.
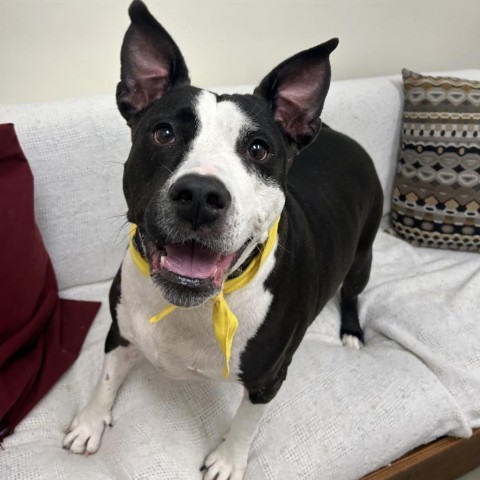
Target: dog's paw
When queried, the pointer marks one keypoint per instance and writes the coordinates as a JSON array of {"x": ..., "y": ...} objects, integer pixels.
[
  {"x": 352, "y": 342},
  {"x": 224, "y": 464},
  {"x": 85, "y": 432}
]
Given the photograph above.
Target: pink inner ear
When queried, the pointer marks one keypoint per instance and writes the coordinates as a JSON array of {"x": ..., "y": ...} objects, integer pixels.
[
  {"x": 146, "y": 90},
  {"x": 296, "y": 106},
  {"x": 302, "y": 90},
  {"x": 146, "y": 60},
  {"x": 297, "y": 99},
  {"x": 149, "y": 75}
]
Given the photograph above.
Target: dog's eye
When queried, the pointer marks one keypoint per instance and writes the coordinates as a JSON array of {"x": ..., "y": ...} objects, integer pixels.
[
  {"x": 163, "y": 134},
  {"x": 258, "y": 150}
]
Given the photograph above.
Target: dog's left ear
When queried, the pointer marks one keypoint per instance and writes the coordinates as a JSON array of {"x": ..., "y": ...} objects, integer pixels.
[
  {"x": 296, "y": 90},
  {"x": 151, "y": 62}
]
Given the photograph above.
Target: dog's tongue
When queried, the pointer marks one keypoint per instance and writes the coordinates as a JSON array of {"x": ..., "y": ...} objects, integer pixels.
[{"x": 196, "y": 261}]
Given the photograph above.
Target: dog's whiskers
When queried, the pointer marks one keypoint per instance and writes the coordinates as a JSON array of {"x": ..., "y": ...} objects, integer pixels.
[
  {"x": 115, "y": 218},
  {"x": 257, "y": 109},
  {"x": 117, "y": 242},
  {"x": 284, "y": 248},
  {"x": 166, "y": 168}
]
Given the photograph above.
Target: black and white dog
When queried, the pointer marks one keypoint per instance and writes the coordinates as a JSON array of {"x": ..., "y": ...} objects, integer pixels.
[{"x": 208, "y": 181}]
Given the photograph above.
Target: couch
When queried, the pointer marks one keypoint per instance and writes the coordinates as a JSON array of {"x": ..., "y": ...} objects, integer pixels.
[{"x": 340, "y": 414}]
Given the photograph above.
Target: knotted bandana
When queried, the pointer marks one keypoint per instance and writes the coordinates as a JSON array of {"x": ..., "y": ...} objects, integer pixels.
[{"x": 225, "y": 322}]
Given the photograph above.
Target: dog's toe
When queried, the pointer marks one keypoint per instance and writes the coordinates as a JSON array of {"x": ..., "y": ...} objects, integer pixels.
[
  {"x": 222, "y": 465},
  {"x": 85, "y": 432},
  {"x": 352, "y": 342}
]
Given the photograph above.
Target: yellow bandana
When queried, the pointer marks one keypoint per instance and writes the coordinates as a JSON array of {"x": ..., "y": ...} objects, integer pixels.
[{"x": 225, "y": 322}]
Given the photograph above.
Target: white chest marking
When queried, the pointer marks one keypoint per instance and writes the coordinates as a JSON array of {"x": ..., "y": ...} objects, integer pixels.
[{"x": 183, "y": 344}]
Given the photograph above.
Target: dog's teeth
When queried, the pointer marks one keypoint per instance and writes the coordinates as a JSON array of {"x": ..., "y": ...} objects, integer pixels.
[{"x": 162, "y": 260}]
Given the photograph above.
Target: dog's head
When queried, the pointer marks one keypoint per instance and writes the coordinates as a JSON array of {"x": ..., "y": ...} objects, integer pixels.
[{"x": 206, "y": 175}]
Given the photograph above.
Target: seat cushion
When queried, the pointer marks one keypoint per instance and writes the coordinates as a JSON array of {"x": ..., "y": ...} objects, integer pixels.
[{"x": 340, "y": 413}]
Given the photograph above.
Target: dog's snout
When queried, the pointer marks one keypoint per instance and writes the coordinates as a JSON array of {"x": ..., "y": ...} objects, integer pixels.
[{"x": 199, "y": 199}]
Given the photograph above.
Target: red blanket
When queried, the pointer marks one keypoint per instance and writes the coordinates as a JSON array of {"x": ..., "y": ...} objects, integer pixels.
[{"x": 40, "y": 334}]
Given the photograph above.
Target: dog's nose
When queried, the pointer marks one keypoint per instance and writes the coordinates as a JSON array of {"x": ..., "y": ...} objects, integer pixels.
[{"x": 199, "y": 199}]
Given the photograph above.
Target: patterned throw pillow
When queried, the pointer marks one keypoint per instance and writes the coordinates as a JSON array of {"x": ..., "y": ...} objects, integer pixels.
[{"x": 436, "y": 196}]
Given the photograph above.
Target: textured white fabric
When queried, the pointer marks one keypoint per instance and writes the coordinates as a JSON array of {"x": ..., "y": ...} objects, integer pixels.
[
  {"x": 76, "y": 149},
  {"x": 339, "y": 415}
]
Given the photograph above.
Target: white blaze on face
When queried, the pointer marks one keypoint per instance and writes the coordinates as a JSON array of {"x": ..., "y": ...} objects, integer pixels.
[{"x": 256, "y": 203}]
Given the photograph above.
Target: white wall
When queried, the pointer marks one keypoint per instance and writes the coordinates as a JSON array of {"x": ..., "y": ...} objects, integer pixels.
[{"x": 53, "y": 49}]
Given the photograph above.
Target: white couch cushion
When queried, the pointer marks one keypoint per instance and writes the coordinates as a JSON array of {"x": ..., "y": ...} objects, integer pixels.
[
  {"x": 340, "y": 413},
  {"x": 76, "y": 149}
]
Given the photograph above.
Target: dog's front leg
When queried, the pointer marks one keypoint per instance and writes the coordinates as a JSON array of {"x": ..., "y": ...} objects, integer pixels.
[
  {"x": 86, "y": 430},
  {"x": 229, "y": 460}
]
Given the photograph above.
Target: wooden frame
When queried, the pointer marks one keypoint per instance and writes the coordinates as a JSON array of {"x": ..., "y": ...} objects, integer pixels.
[{"x": 445, "y": 459}]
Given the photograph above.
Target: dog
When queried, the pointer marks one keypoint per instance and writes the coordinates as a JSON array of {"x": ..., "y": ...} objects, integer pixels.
[{"x": 248, "y": 216}]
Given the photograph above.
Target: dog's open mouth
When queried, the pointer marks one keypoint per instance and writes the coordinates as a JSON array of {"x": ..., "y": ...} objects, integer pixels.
[
  {"x": 189, "y": 273},
  {"x": 190, "y": 264}
]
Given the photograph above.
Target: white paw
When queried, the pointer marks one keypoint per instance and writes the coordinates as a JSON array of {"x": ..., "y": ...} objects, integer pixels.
[
  {"x": 352, "y": 342},
  {"x": 85, "y": 432},
  {"x": 224, "y": 464}
]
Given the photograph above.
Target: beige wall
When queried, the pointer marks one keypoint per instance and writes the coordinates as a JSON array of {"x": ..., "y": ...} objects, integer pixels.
[{"x": 53, "y": 49}]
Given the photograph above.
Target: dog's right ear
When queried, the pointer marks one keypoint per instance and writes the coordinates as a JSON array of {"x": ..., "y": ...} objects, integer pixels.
[{"x": 151, "y": 63}]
